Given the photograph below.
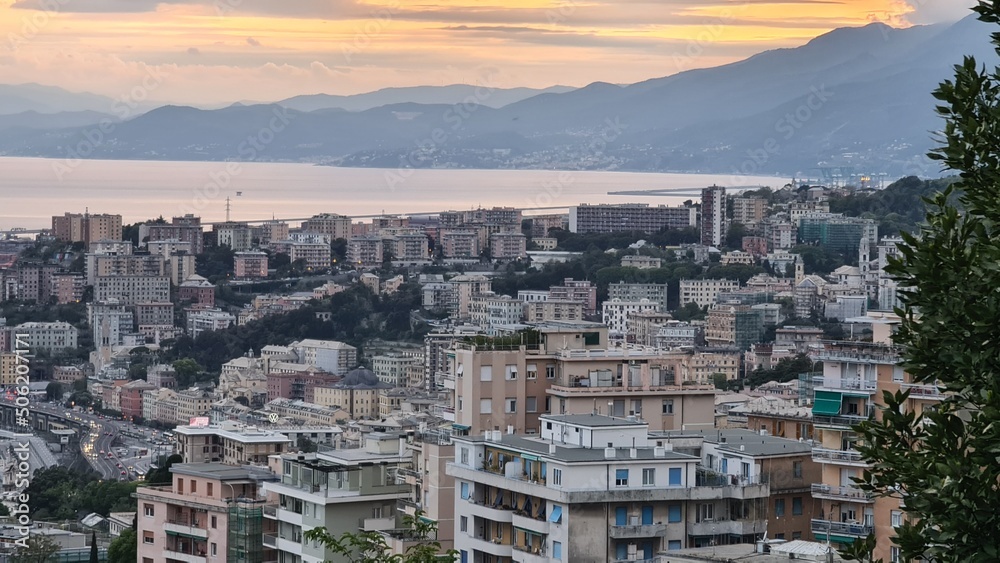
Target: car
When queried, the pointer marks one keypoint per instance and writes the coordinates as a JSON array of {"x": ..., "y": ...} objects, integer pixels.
[
  {"x": 102, "y": 452},
  {"x": 124, "y": 473}
]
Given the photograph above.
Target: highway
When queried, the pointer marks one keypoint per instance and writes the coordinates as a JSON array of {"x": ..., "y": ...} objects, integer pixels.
[{"x": 110, "y": 446}]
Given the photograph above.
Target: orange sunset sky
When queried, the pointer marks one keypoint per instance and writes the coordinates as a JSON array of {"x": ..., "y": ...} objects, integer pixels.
[{"x": 218, "y": 51}]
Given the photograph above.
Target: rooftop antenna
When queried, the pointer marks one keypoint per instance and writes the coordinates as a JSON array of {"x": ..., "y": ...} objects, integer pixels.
[{"x": 227, "y": 209}]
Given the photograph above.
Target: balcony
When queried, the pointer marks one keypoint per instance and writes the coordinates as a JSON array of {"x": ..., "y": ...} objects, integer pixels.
[
  {"x": 846, "y": 384},
  {"x": 270, "y": 541},
  {"x": 408, "y": 507},
  {"x": 377, "y": 524},
  {"x": 872, "y": 354},
  {"x": 495, "y": 546},
  {"x": 186, "y": 527},
  {"x": 839, "y": 457},
  {"x": 491, "y": 511},
  {"x": 821, "y": 528},
  {"x": 919, "y": 391},
  {"x": 199, "y": 557},
  {"x": 846, "y": 494},
  {"x": 271, "y": 511},
  {"x": 838, "y": 421},
  {"x": 727, "y": 527},
  {"x": 530, "y": 554},
  {"x": 408, "y": 477},
  {"x": 637, "y": 531}
]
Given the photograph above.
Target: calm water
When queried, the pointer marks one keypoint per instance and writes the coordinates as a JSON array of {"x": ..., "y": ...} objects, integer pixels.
[{"x": 34, "y": 189}]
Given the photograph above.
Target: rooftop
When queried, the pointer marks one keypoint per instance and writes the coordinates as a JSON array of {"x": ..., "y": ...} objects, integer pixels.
[
  {"x": 592, "y": 420},
  {"x": 574, "y": 454},
  {"x": 744, "y": 442},
  {"x": 223, "y": 472}
]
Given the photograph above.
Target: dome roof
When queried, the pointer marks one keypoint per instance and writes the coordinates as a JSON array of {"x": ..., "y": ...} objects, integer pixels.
[{"x": 360, "y": 377}]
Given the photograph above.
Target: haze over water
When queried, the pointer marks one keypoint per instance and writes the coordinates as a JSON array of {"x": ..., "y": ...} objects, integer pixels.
[{"x": 34, "y": 189}]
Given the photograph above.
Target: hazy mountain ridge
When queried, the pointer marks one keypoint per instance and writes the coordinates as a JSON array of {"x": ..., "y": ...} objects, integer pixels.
[{"x": 856, "y": 97}]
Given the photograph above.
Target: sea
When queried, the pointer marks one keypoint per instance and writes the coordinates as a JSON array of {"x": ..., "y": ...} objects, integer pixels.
[{"x": 34, "y": 189}]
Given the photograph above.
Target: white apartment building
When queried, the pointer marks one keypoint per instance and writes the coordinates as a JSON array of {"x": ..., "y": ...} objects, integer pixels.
[
  {"x": 508, "y": 246},
  {"x": 491, "y": 311},
  {"x": 705, "y": 292},
  {"x": 328, "y": 355},
  {"x": 48, "y": 337},
  {"x": 198, "y": 321},
  {"x": 230, "y": 443},
  {"x": 615, "y": 314}
]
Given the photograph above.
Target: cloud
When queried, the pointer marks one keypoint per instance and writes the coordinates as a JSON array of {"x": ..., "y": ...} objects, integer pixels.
[
  {"x": 193, "y": 51},
  {"x": 253, "y": 42},
  {"x": 936, "y": 11}
]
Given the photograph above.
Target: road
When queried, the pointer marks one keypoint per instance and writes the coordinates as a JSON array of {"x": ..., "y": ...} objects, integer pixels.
[{"x": 98, "y": 436}]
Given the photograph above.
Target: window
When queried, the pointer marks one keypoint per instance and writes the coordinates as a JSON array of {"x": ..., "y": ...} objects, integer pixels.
[
  {"x": 779, "y": 507},
  {"x": 510, "y": 405},
  {"x": 486, "y": 373},
  {"x": 637, "y": 407},
  {"x": 485, "y": 406},
  {"x": 460, "y": 403},
  {"x": 550, "y": 371},
  {"x": 531, "y": 405},
  {"x": 376, "y": 512},
  {"x": 674, "y": 475},
  {"x": 779, "y": 536},
  {"x": 194, "y": 486},
  {"x": 209, "y": 486},
  {"x": 215, "y": 549},
  {"x": 463, "y": 524},
  {"x": 557, "y": 550},
  {"x": 648, "y": 477},
  {"x": 894, "y": 555},
  {"x": 797, "y": 469},
  {"x": 147, "y": 510},
  {"x": 796, "y": 535},
  {"x": 674, "y": 513},
  {"x": 548, "y": 404},
  {"x": 465, "y": 456},
  {"x": 621, "y": 477},
  {"x": 896, "y": 518},
  {"x": 797, "y": 506},
  {"x": 465, "y": 491},
  {"x": 215, "y": 522},
  {"x": 668, "y": 406},
  {"x": 707, "y": 511},
  {"x": 147, "y": 538},
  {"x": 531, "y": 371},
  {"x": 180, "y": 486},
  {"x": 673, "y": 545},
  {"x": 510, "y": 373},
  {"x": 557, "y": 476}
]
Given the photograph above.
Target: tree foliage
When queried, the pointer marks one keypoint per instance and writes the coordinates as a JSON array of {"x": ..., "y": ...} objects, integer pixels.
[
  {"x": 371, "y": 547},
  {"x": 57, "y": 493},
  {"x": 944, "y": 461},
  {"x": 899, "y": 208},
  {"x": 124, "y": 548},
  {"x": 40, "y": 549},
  {"x": 786, "y": 369}
]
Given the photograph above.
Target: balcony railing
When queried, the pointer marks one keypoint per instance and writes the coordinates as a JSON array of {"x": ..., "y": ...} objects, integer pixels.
[
  {"x": 848, "y": 383},
  {"x": 637, "y": 531},
  {"x": 919, "y": 391},
  {"x": 270, "y": 510},
  {"x": 849, "y": 494},
  {"x": 839, "y": 420},
  {"x": 824, "y": 455},
  {"x": 270, "y": 540},
  {"x": 533, "y": 549},
  {"x": 854, "y": 529}
]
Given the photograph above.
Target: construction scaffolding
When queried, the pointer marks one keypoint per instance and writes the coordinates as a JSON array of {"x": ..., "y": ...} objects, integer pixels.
[{"x": 246, "y": 522}]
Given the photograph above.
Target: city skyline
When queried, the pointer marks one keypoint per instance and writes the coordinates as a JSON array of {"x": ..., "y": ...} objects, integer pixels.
[{"x": 214, "y": 52}]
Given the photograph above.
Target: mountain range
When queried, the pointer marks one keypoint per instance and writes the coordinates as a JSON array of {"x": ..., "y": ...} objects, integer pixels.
[{"x": 854, "y": 98}]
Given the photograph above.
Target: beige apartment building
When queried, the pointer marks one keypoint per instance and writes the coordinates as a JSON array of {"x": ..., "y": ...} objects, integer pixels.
[
  {"x": 113, "y": 265},
  {"x": 570, "y": 370},
  {"x": 250, "y": 265},
  {"x": 86, "y": 227},
  {"x": 132, "y": 289},
  {"x": 195, "y": 518},
  {"x": 704, "y": 292},
  {"x": 229, "y": 443},
  {"x": 553, "y": 310},
  {"x": 365, "y": 251},
  {"x": 337, "y": 226}
]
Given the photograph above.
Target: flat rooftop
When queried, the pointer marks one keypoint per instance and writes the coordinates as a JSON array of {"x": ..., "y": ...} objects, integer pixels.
[
  {"x": 592, "y": 420},
  {"x": 570, "y": 454},
  {"x": 223, "y": 472},
  {"x": 752, "y": 443}
]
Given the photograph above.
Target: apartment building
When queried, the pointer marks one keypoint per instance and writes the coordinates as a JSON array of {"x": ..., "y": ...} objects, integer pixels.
[
  {"x": 299, "y": 385},
  {"x": 250, "y": 265},
  {"x": 162, "y": 376},
  {"x": 110, "y": 323},
  {"x": 508, "y": 246},
  {"x": 591, "y": 489},
  {"x": 705, "y": 292},
  {"x": 749, "y": 210},
  {"x": 576, "y": 290},
  {"x": 460, "y": 244},
  {"x": 344, "y": 490},
  {"x": 202, "y": 320},
  {"x": 656, "y": 292},
  {"x": 365, "y": 251},
  {"x": 837, "y": 233},
  {"x": 132, "y": 289},
  {"x": 209, "y": 512},
  {"x": 641, "y": 262},
  {"x": 615, "y": 314},
  {"x": 302, "y": 412},
  {"x": 432, "y": 489},
  {"x": 491, "y": 311},
  {"x": 467, "y": 287},
  {"x": 198, "y": 290},
  {"x": 408, "y": 246},
  {"x": 230, "y": 443},
  {"x": 328, "y": 355},
  {"x": 235, "y": 235},
  {"x": 701, "y": 366},
  {"x": 713, "y": 216},
  {"x": 131, "y": 398},
  {"x": 396, "y": 369},
  {"x": 641, "y": 326},
  {"x": 542, "y": 224},
  {"x": 166, "y": 248},
  {"x": 677, "y": 334},
  {"x": 155, "y": 314},
  {"x": 179, "y": 267},
  {"x": 68, "y": 287},
  {"x": 112, "y": 265},
  {"x": 193, "y": 403},
  {"x": 552, "y": 310},
  {"x": 357, "y": 393},
  {"x": 316, "y": 255},
  {"x": 736, "y": 326},
  {"x": 799, "y": 209},
  {"x": 52, "y": 338},
  {"x": 87, "y": 227},
  {"x": 855, "y": 376},
  {"x": 613, "y": 218},
  {"x": 270, "y": 231},
  {"x": 569, "y": 368},
  {"x": 186, "y": 229},
  {"x": 336, "y": 226}
]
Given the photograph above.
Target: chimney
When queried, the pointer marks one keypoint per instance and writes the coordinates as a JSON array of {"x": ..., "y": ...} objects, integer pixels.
[
  {"x": 552, "y": 449},
  {"x": 659, "y": 451},
  {"x": 510, "y": 429},
  {"x": 610, "y": 453},
  {"x": 743, "y": 448},
  {"x": 633, "y": 453},
  {"x": 668, "y": 447}
]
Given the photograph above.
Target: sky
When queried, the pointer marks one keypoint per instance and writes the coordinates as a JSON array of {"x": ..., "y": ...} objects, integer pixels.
[{"x": 220, "y": 51}]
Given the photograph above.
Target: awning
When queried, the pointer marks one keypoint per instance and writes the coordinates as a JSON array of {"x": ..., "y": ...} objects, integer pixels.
[
  {"x": 183, "y": 535},
  {"x": 457, "y": 426},
  {"x": 556, "y": 515},
  {"x": 827, "y": 403},
  {"x": 529, "y": 457}
]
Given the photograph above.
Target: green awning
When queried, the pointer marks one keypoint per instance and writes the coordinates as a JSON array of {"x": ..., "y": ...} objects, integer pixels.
[
  {"x": 529, "y": 457},
  {"x": 458, "y": 426},
  {"x": 183, "y": 535},
  {"x": 827, "y": 403}
]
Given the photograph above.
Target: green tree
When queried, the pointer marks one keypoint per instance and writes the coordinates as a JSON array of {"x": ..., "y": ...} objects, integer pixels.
[
  {"x": 371, "y": 547},
  {"x": 40, "y": 549},
  {"x": 54, "y": 391},
  {"x": 94, "y": 556},
  {"x": 943, "y": 461},
  {"x": 123, "y": 549}
]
